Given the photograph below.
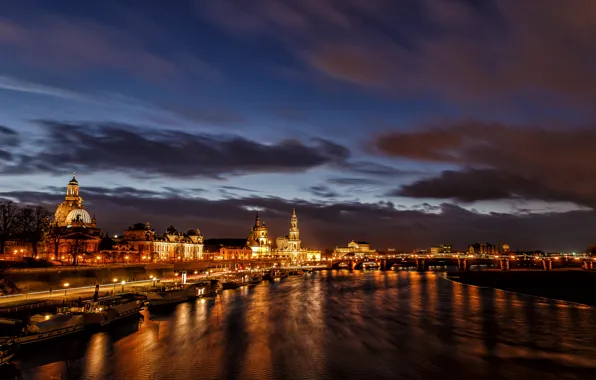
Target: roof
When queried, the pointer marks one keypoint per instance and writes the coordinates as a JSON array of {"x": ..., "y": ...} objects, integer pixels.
[
  {"x": 225, "y": 242},
  {"x": 78, "y": 215},
  {"x": 361, "y": 242}
]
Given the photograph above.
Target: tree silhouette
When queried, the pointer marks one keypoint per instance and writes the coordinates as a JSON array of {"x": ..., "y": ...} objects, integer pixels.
[
  {"x": 31, "y": 225},
  {"x": 8, "y": 221}
]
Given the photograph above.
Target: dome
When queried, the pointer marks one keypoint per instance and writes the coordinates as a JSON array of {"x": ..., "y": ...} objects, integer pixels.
[{"x": 79, "y": 215}]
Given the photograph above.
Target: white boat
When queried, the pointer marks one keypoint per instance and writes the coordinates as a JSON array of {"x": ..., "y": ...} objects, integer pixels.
[
  {"x": 165, "y": 296},
  {"x": 47, "y": 326},
  {"x": 106, "y": 310},
  {"x": 370, "y": 265},
  {"x": 202, "y": 289}
]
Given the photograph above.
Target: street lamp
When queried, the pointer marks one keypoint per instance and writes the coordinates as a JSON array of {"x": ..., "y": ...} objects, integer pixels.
[
  {"x": 115, "y": 281},
  {"x": 123, "y": 282},
  {"x": 66, "y": 285}
]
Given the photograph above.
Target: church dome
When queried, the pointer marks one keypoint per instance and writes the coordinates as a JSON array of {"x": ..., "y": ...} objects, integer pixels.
[{"x": 78, "y": 215}]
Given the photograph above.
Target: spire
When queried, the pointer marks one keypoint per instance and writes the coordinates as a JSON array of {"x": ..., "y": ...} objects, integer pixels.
[
  {"x": 257, "y": 221},
  {"x": 294, "y": 211}
]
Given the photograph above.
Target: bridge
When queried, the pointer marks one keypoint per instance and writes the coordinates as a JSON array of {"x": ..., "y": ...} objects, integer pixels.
[{"x": 463, "y": 263}]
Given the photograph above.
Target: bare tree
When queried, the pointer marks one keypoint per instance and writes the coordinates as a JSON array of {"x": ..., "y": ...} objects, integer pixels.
[
  {"x": 31, "y": 224},
  {"x": 54, "y": 235},
  {"x": 8, "y": 214}
]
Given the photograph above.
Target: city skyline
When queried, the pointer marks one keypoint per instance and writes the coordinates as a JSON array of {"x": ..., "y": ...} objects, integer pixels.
[{"x": 391, "y": 123}]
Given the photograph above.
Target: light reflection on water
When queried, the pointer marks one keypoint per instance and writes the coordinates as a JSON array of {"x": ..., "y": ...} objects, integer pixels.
[{"x": 337, "y": 324}]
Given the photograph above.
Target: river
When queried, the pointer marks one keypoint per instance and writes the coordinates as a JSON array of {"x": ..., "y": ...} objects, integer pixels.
[{"x": 337, "y": 325}]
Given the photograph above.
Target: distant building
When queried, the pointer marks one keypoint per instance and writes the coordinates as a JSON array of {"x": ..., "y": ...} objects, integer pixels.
[
  {"x": 482, "y": 249},
  {"x": 174, "y": 245},
  {"x": 140, "y": 243},
  {"x": 73, "y": 231},
  {"x": 504, "y": 248},
  {"x": 227, "y": 249},
  {"x": 258, "y": 239},
  {"x": 441, "y": 249},
  {"x": 290, "y": 245},
  {"x": 357, "y": 249}
]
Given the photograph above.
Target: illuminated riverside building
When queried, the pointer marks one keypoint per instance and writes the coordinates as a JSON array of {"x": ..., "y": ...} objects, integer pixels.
[
  {"x": 357, "y": 249},
  {"x": 258, "y": 240},
  {"x": 482, "y": 249},
  {"x": 441, "y": 249},
  {"x": 73, "y": 231},
  {"x": 227, "y": 249},
  {"x": 174, "y": 245},
  {"x": 290, "y": 245},
  {"x": 141, "y": 243}
]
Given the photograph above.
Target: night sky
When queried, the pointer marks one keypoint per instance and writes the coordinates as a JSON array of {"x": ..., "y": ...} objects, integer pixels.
[{"x": 404, "y": 123}]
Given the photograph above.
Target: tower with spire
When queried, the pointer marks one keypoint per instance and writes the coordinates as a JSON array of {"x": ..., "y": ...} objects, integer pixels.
[
  {"x": 294, "y": 235},
  {"x": 258, "y": 239}
]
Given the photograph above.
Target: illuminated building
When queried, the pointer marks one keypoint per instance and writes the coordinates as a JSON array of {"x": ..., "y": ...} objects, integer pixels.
[
  {"x": 258, "y": 240},
  {"x": 441, "y": 249},
  {"x": 73, "y": 231},
  {"x": 504, "y": 248},
  {"x": 227, "y": 249},
  {"x": 482, "y": 249},
  {"x": 357, "y": 249},
  {"x": 174, "y": 245},
  {"x": 290, "y": 245}
]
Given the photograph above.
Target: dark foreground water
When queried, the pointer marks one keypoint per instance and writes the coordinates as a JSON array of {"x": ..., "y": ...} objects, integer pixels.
[{"x": 337, "y": 325}]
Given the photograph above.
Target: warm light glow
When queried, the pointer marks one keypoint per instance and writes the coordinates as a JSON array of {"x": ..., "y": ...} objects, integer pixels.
[
  {"x": 151, "y": 277},
  {"x": 115, "y": 280},
  {"x": 47, "y": 317},
  {"x": 126, "y": 257},
  {"x": 176, "y": 274},
  {"x": 66, "y": 284},
  {"x": 123, "y": 282},
  {"x": 98, "y": 257},
  {"x": 196, "y": 272}
]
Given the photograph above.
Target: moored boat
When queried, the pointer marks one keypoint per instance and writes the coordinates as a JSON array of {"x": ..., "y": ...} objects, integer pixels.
[
  {"x": 167, "y": 296},
  {"x": 106, "y": 310},
  {"x": 43, "y": 327},
  {"x": 255, "y": 279},
  {"x": 201, "y": 289},
  {"x": 370, "y": 265},
  {"x": 275, "y": 273},
  {"x": 235, "y": 281}
]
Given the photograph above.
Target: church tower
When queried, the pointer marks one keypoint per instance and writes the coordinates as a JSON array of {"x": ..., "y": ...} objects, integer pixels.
[
  {"x": 72, "y": 190},
  {"x": 294, "y": 235},
  {"x": 72, "y": 206}
]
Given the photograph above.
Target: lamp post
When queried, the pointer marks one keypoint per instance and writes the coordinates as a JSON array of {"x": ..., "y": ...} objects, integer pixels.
[
  {"x": 66, "y": 285},
  {"x": 123, "y": 282},
  {"x": 115, "y": 281}
]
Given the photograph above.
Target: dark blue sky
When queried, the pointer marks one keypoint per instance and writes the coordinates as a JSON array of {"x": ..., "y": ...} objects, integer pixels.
[{"x": 406, "y": 123}]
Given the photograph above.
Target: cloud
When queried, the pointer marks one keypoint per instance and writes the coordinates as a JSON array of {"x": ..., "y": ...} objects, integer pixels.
[
  {"x": 323, "y": 191},
  {"x": 150, "y": 152},
  {"x": 462, "y": 51},
  {"x": 81, "y": 44},
  {"x": 499, "y": 161},
  {"x": 327, "y": 224}
]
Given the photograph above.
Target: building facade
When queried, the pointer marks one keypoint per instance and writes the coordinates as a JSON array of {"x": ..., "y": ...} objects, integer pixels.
[
  {"x": 441, "y": 249},
  {"x": 289, "y": 246},
  {"x": 174, "y": 245},
  {"x": 482, "y": 249},
  {"x": 73, "y": 234},
  {"x": 258, "y": 239},
  {"x": 358, "y": 249},
  {"x": 227, "y": 249}
]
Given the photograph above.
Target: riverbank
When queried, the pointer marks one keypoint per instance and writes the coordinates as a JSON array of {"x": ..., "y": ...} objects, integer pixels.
[{"x": 572, "y": 286}]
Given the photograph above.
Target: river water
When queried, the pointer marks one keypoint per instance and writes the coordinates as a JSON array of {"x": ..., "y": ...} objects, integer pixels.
[{"x": 337, "y": 325}]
